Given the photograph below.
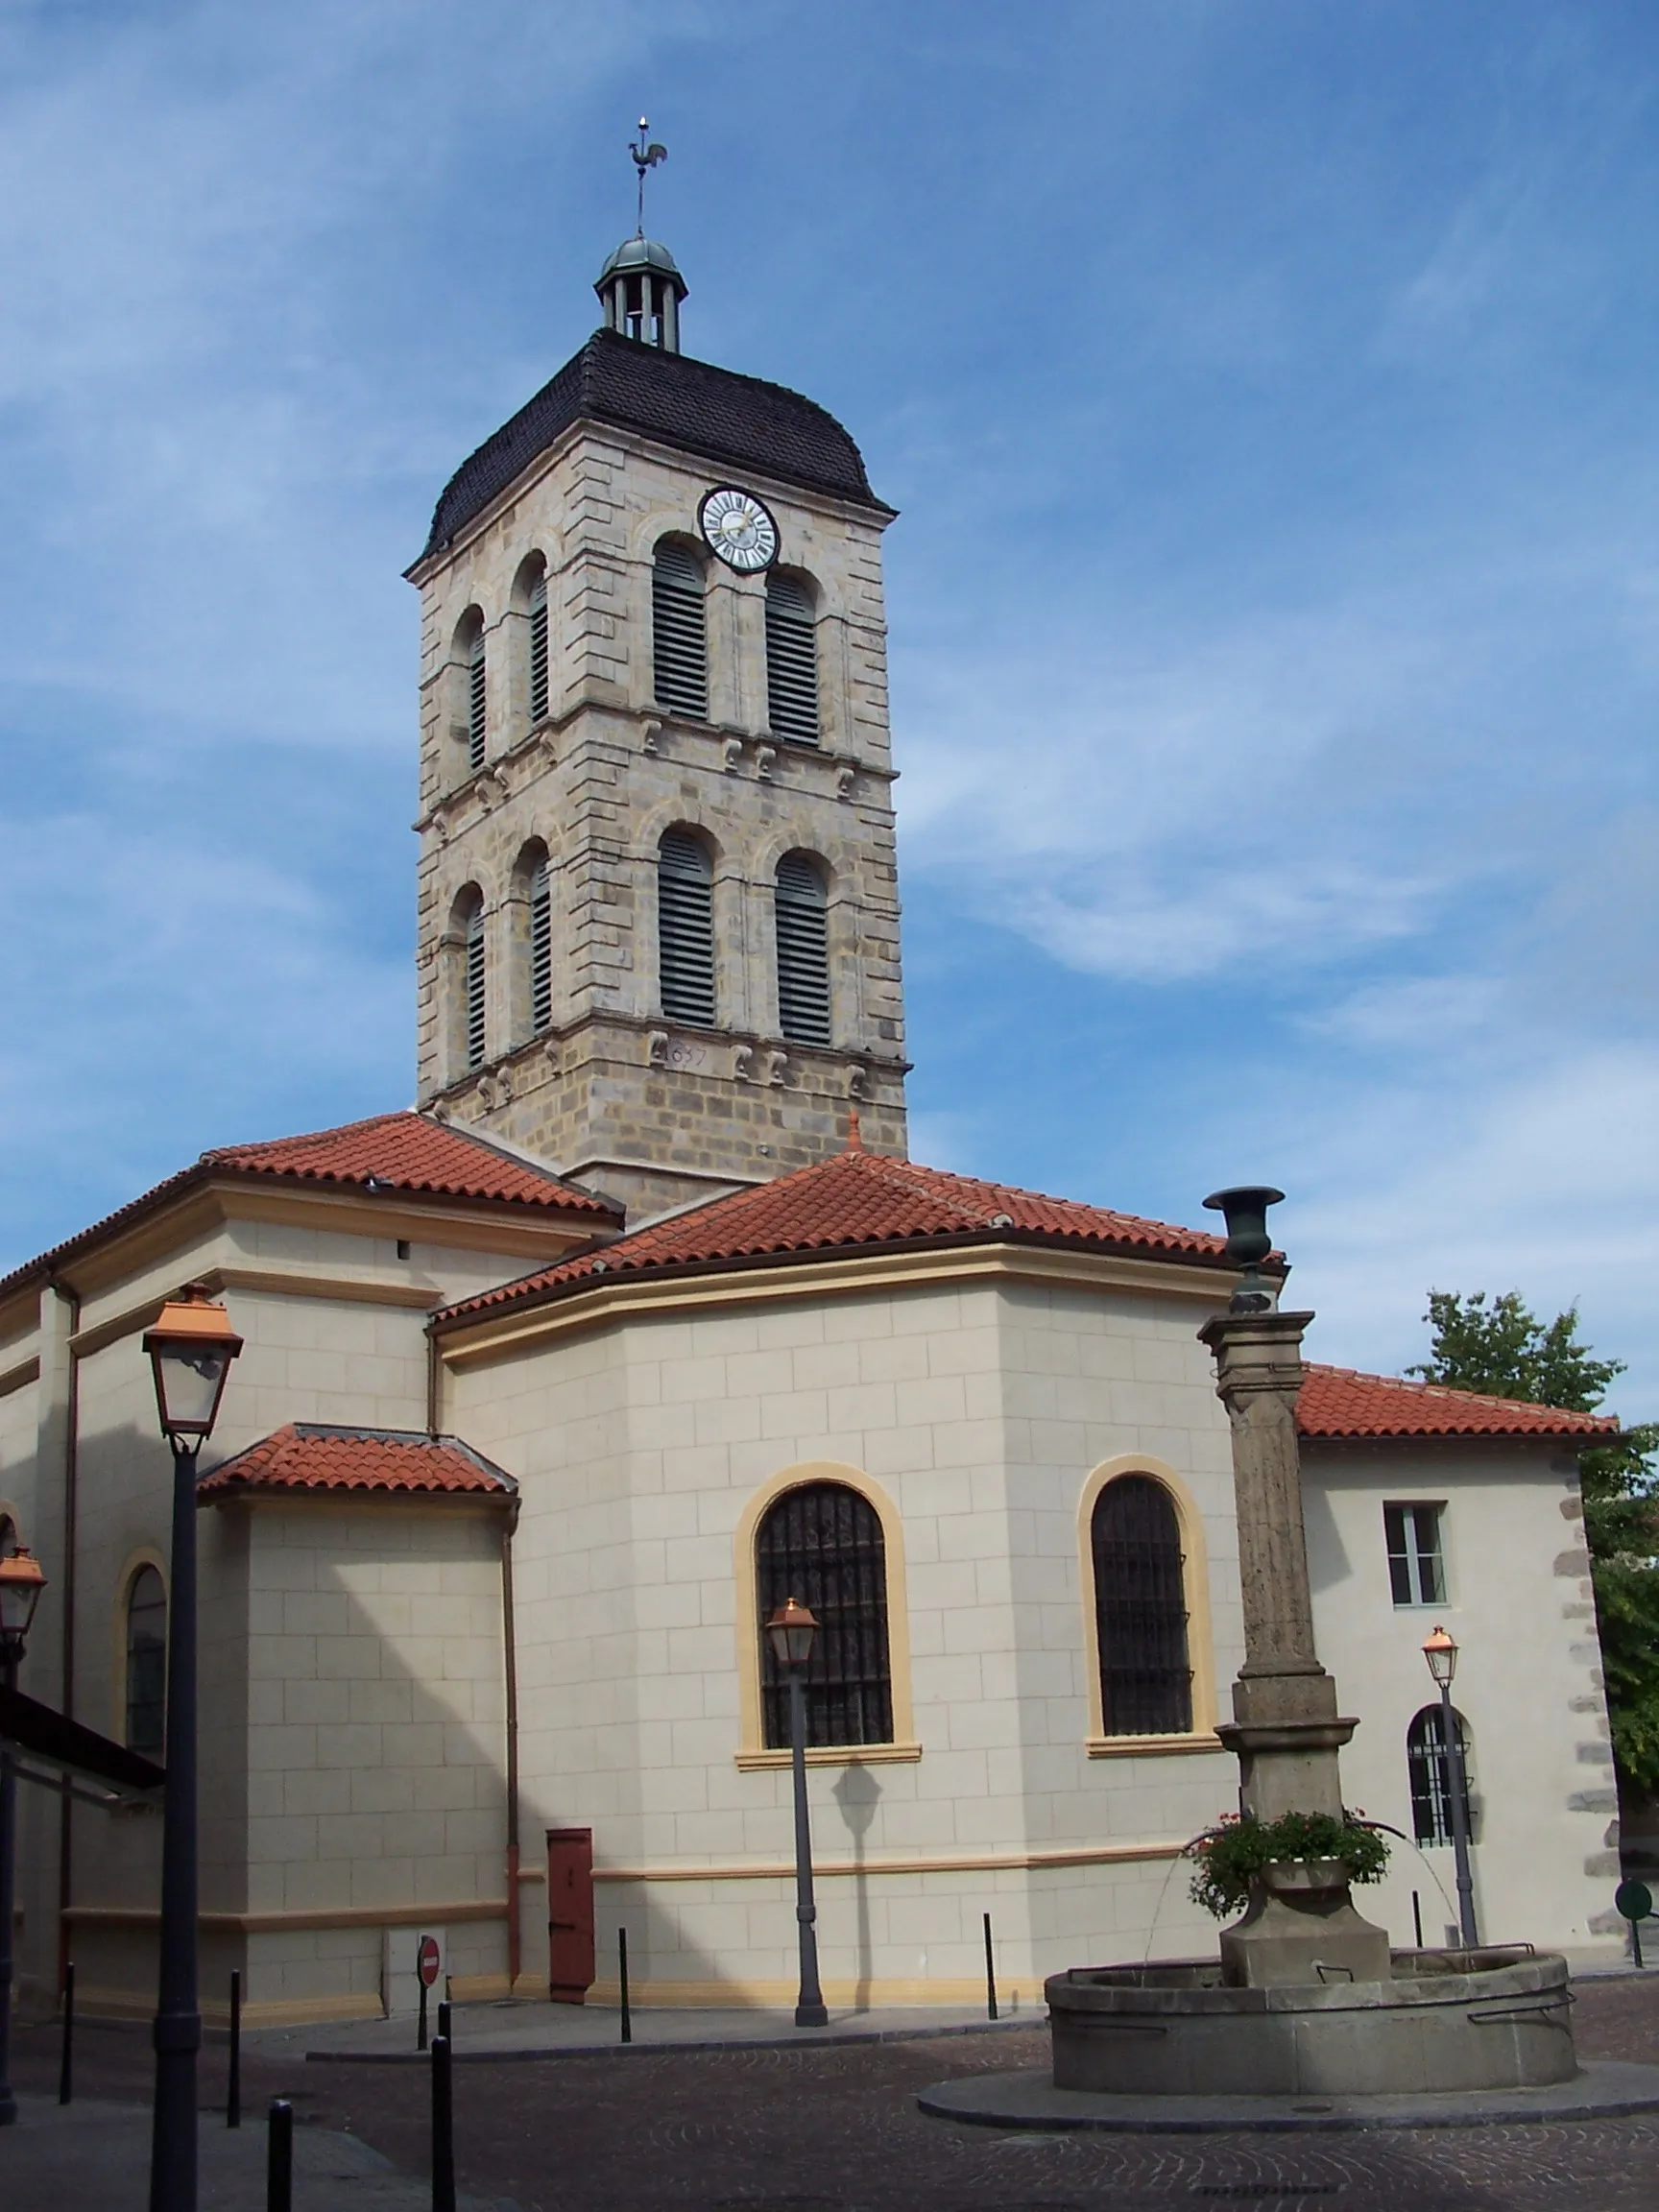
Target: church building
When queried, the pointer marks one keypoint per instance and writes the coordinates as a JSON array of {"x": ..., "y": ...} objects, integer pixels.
[{"x": 642, "y": 1320}]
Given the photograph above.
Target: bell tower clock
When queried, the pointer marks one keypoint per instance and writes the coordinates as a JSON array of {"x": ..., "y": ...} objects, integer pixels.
[{"x": 658, "y": 901}]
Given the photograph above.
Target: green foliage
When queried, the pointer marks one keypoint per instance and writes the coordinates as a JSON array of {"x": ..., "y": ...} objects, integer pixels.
[
  {"x": 1502, "y": 1348},
  {"x": 1228, "y": 1855}
]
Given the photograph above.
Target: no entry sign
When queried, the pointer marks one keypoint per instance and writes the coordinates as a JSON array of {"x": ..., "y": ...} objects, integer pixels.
[{"x": 426, "y": 1961}]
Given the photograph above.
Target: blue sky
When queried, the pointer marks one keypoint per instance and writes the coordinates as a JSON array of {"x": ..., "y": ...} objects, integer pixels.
[{"x": 1268, "y": 392}]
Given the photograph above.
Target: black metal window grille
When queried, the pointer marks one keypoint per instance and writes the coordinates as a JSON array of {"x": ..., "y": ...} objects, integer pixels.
[
  {"x": 802, "y": 915},
  {"x": 1416, "y": 1564},
  {"x": 680, "y": 649},
  {"x": 474, "y": 990},
  {"x": 539, "y": 651},
  {"x": 791, "y": 660},
  {"x": 823, "y": 1544},
  {"x": 146, "y": 1663},
  {"x": 685, "y": 928},
  {"x": 541, "y": 948},
  {"x": 476, "y": 702},
  {"x": 1140, "y": 1610},
  {"x": 1430, "y": 1775}
]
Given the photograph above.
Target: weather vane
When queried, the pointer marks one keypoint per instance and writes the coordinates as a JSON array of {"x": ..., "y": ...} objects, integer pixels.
[{"x": 647, "y": 153}]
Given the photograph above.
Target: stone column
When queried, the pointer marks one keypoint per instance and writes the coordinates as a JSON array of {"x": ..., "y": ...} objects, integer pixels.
[{"x": 1286, "y": 1729}]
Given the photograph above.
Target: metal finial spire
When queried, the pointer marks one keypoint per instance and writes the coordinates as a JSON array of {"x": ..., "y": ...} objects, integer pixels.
[{"x": 646, "y": 156}]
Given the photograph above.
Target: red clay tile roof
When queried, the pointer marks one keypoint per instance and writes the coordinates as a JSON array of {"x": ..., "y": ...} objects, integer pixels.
[
  {"x": 315, "y": 1456},
  {"x": 854, "y": 1200},
  {"x": 403, "y": 1152},
  {"x": 1339, "y": 1402}
]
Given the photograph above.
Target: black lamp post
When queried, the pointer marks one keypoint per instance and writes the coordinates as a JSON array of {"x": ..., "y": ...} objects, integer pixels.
[
  {"x": 21, "y": 1583},
  {"x": 790, "y": 1631},
  {"x": 190, "y": 1347},
  {"x": 1441, "y": 1653}
]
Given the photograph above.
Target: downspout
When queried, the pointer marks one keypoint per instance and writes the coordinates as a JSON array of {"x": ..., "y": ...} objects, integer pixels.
[
  {"x": 71, "y": 1523},
  {"x": 511, "y": 1657},
  {"x": 434, "y": 1381}
]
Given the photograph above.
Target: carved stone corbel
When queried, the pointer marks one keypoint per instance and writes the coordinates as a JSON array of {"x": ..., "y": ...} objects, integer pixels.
[
  {"x": 858, "y": 1080},
  {"x": 657, "y": 1048},
  {"x": 732, "y": 755},
  {"x": 743, "y": 1064},
  {"x": 778, "y": 1068},
  {"x": 765, "y": 756},
  {"x": 845, "y": 780},
  {"x": 651, "y": 731}
]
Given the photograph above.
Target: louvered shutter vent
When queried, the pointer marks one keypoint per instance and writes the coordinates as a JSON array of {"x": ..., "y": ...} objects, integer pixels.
[
  {"x": 791, "y": 661},
  {"x": 685, "y": 929},
  {"x": 679, "y": 644},
  {"x": 540, "y": 949},
  {"x": 538, "y": 652},
  {"x": 803, "y": 952},
  {"x": 476, "y": 702},
  {"x": 475, "y": 988}
]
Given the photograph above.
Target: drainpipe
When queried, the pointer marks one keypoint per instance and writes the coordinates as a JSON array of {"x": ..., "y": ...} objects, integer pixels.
[
  {"x": 434, "y": 1381},
  {"x": 511, "y": 1657}
]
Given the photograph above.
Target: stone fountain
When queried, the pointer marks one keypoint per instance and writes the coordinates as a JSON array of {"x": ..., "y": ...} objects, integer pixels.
[{"x": 1304, "y": 1999}]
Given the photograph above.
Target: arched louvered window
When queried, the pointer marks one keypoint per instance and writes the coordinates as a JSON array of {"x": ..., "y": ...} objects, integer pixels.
[
  {"x": 802, "y": 915},
  {"x": 1140, "y": 1610},
  {"x": 539, "y": 649},
  {"x": 1430, "y": 1775},
  {"x": 791, "y": 660},
  {"x": 478, "y": 697},
  {"x": 685, "y": 928},
  {"x": 680, "y": 648},
  {"x": 146, "y": 1663},
  {"x": 822, "y": 1545},
  {"x": 472, "y": 982},
  {"x": 541, "y": 948}
]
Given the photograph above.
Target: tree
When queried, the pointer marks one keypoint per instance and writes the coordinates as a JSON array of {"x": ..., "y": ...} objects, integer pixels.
[{"x": 1503, "y": 1350}]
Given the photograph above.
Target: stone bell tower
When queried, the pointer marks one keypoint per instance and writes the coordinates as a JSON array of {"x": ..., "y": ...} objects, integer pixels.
[{"x": 658, "y": 911}]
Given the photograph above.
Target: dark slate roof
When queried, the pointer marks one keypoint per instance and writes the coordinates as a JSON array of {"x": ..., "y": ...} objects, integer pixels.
[{"x": 738, "y": 420}]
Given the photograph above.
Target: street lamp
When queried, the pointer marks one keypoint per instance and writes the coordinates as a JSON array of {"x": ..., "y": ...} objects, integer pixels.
[
  {"x": 21, "y": 1583},
  {"x": 1441, "y": 1652},
  {"x": 790, "y": 1632},
  {"x": 190, "y": 1348}
]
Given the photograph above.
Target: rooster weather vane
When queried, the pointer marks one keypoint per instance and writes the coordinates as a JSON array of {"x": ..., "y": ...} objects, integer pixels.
[{"x": 646, "y": 152}]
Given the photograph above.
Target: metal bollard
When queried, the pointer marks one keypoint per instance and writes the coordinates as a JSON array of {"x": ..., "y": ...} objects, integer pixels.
[
  {"x": 443, "y": 2027},
  {"x": 279, "y": 2157},
  {"x": 233, "y": 2093},
  {"x": 66, "y": 2055},
  {"x": 622, "y": 1977},
  {"x": 1417, "y": 1917},
  {"x": 420, "y": 2036},
  {"x": 442, "y": 2129},
  {"x": 990, "y": 1974}
]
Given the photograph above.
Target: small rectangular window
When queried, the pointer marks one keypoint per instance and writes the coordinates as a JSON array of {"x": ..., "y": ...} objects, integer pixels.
[{"x": 1416, "y": 1562}]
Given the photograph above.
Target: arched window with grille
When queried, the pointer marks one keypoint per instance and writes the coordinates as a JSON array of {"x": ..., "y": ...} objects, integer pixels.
[
  {"x": 679, "y": 634},
  {"x": 146, "y": 1663},
  {"x": 1140, "y": 1610},
  {"x": 801, "y": 909},
  {"x": 472, "y": 695},
  {"x": 791, "y": 660},
  {"x": 685, "y": 928},
  {"x": 540, "y": 946},
  {"x": 1430, "y": 1770},
  {"x": 823, "y": 1544},
  {"x": 537, "y": 671}
]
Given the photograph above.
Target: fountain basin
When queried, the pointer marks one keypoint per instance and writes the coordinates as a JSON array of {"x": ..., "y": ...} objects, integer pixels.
[{"x": 1446, "y": 2020}]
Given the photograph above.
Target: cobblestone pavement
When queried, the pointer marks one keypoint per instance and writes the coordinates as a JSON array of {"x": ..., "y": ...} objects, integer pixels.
[{"x": 837, "y": 2130}]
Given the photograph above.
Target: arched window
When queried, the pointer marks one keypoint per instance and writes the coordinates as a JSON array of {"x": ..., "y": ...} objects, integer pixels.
[
  {"x": 473, "y": 692},
  {"x": 538, "y": 647},
  {"x": 822, "y": 1545},
  {"x": 791, "y": 660},
  {"x": 1140, "y": 1610},
  {"x": 469, "y": 929},
  {"x": 685, "y": 928},
  {"x": 680, "y": 650},
  {"x": 541, "y": 948},
  {"x": 1431, "y": 1775},
  {"x": 802, "y": 919},
  {"x": 146, "y": 1663}
]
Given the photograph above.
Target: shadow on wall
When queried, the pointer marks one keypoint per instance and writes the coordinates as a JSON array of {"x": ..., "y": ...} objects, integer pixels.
[{"x": 858, "y": 1793}]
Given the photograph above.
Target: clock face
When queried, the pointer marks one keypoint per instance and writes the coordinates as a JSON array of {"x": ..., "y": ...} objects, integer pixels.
[{"x": 738, "y": 529}]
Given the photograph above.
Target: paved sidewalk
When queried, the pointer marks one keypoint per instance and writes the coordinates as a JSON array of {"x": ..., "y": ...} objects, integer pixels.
[
  {"x": 63, "y": 2159},
  {"x": 527, "y": 2028}
]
